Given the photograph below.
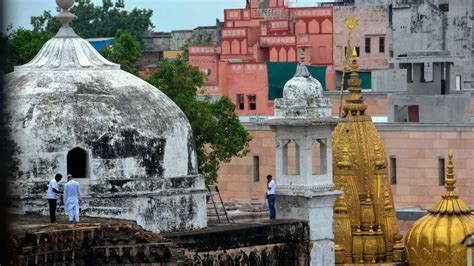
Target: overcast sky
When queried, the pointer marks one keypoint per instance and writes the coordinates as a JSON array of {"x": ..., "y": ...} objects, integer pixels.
[{"x": 167, "y": 14}]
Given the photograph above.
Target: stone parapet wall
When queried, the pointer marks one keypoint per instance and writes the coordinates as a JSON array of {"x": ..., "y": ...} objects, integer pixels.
[{"x": 117, "y": 242}]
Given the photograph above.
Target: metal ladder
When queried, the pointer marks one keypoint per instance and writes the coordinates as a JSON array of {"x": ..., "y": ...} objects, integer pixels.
[{"x": 213, "y": 190}]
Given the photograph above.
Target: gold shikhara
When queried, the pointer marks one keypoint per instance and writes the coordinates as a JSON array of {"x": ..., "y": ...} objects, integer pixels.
[{"x": 365, "y": 224}]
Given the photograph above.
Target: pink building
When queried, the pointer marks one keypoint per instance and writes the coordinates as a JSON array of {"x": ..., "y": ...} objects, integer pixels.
[{"x": 255, "y": 35}]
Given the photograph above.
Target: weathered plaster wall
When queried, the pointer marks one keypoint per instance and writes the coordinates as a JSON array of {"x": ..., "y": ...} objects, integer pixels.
[
  {"x": 175, "y": 40},
  {"x": 452, "y": 108},
  {"x": 367, "y": 17},
  {"x": 424, "y": 26},
  {"x": 141, "y": 163}
]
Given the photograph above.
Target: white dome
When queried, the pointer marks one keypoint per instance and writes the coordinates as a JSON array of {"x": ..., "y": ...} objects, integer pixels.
[
  {"x": 71, "y": 111},
  {"x": 302, "y": 88},
  {"x": 70, "y": 96}
]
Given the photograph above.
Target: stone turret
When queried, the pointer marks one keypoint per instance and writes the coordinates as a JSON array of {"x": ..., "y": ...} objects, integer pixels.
[{"x": 305, "y": 189}]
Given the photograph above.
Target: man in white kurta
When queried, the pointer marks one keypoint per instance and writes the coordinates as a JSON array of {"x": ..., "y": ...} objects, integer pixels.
[{"x": 72, "y": 197}]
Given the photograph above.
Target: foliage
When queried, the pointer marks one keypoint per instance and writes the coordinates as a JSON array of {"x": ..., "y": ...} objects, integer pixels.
[
  {"x": 99, "y": 21},
  {"x": 21, "y": 46},
  {"x": 125, "y": 51},
  {"x": 218, "y": 134}
]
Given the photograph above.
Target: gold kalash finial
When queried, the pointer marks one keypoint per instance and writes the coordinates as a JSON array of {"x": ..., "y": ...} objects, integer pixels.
[
  {"x": 351, "y": 23},
  {"x": 450, "y": 203}
]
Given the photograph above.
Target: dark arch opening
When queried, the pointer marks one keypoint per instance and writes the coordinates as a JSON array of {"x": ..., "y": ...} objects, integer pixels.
[{"x": 77, "y": 162}]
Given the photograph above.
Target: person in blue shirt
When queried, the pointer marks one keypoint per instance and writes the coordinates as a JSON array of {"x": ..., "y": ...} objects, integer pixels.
[
  {"x": 51, "y": 195},
  {"x": 271, "y": 186},
  {"x": 72, "y": 198}
]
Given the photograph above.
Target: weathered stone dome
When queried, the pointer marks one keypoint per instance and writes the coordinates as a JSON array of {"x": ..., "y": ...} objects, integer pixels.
[
  {"x": 435, "y": 239},
  {"x": 70, "y": 96},
  {"x": 131, "y": 148},
  {"x": 303, "y": 96},
  {"x": 302, "y": 85}
]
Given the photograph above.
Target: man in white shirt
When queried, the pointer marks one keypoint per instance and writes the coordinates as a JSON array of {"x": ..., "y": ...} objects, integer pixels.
[
  {"x": 271, "y": 186},
  {"x": 72, "y": 197},
  {"x": 51, "y": 195}
]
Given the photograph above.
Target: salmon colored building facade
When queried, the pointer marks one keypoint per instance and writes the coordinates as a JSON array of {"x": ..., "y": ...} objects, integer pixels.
[{"x": 251, "y": 37}]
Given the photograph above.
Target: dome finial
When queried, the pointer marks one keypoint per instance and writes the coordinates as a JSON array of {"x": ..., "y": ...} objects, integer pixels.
[
  {"x": 65, "y": 17},
  {"x": 301, "y": 69},
  {"x": 450, "y": 181}
]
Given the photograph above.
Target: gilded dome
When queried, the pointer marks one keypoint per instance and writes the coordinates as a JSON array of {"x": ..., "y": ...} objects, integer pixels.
[
  {"x": 435, "y": 239},
  {"x": 365, "y": 226}
]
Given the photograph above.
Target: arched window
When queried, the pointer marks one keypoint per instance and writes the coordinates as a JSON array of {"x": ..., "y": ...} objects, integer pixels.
[{"x": 77, "y": 163}]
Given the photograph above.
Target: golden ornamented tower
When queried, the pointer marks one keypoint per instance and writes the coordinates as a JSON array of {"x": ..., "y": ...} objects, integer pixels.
[
  {"x": 435, "y": 239},
  {"x": 365, "y": 225}
]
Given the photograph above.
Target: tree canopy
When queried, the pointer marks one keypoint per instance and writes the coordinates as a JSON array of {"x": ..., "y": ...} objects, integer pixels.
[
  {"x": 125, "y": 52},
  {"x": 99, "y": 21},
  {"x": 219, "y": 135},
  {"x": 21, "y": 46}
]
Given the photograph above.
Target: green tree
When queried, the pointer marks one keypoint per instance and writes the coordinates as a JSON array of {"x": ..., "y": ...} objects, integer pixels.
[
  {"x": 21, "y": 46},
  {"x": 125, "y": 51},
  {"x": 100, "y": 21},
  {"x": 218, "y": 133}
]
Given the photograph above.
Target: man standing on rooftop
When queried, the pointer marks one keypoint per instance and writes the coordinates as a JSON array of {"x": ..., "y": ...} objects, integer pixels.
[
  {"x": 271, "y": 196},
  {"x": 72, "y": 198},
  {"x": 51, "y": 194}
]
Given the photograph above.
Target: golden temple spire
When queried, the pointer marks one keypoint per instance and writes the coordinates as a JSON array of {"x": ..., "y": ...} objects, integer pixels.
[
  {"x": 354, "y": 105},
  {"x": 450, "y": 202}
]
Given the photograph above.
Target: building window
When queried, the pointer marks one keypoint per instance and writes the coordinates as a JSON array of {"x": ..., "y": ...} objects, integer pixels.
[
  {"x": 358, "y": 51},
  {"x": 393, "y": 170},
  {"x": 252, "y": 102},
  {"x": 256, "y": 168},
  {"x": 367, "y": 45},
  {"x": 77, "y": 163},
  {"x": 441, "y": 167},
  {"x": 382, "y": 44},
  {"x": 240, "y": 101}
]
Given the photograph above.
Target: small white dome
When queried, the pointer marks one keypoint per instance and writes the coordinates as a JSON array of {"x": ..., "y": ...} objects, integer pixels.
[{"x": 302, "y": 88}]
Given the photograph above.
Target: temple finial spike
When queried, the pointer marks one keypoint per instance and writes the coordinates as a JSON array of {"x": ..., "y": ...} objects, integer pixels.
[
  {"x": 354, "y": 52},
  {"x": 450, "y": 181}
]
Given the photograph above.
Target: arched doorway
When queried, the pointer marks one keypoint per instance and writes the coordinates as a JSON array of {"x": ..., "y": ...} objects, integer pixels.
[{"x": 77, "y": 162}]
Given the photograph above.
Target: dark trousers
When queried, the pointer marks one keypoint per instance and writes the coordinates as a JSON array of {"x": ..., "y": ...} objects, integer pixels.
[
  {"x": 271, "y": 206},
  {"x": 52, "y": 209}
]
